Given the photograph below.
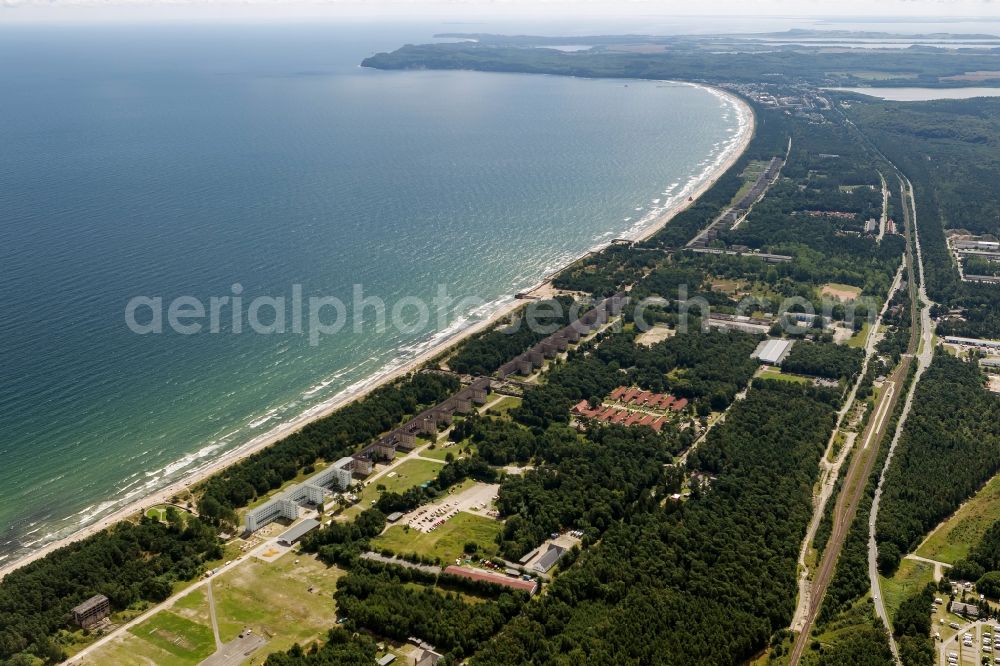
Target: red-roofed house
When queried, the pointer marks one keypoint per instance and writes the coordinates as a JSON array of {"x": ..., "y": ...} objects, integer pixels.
[
  {"x": 632, "y": 418},
  {"x": 679, "y": 405},
  {"x": 620, "y": 415},
  {"x": 657, "y": 424},
  {"x": 528, "y": 586},
  {"x": 618, "y": 393},
  {"x": 631, "y": 394}
]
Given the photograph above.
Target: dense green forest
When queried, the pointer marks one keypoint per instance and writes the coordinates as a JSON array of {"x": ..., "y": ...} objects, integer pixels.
[
  {"x": 339, "y": 649},
  {"x": 584, "y": 484},
  {"x": 130, "y": 563},
  {"x": 912, "y": 628},
  {"x": 707, "y": 368},
  {"x": 950, "y": 446},
  {"x": 382, "y": 603},
  {"x": 825, "y": 360},
  {"x": 729, "y": 553},
  {"x": 950, "y": 150},
  {"x": 911, "y": 67}
]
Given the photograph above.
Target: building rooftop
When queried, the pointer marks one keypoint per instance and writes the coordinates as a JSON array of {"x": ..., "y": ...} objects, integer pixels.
[
  {"x": 296, "y": 532},
  {"x": 773, "y": 352},
  {"x": 90, "y": 604},
  {"x": 478, "y": 574},
  {"x": 549, "y": 559}
]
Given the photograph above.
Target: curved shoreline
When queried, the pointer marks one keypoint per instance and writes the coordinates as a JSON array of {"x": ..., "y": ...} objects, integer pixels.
[{"x": 642, "y": 230}]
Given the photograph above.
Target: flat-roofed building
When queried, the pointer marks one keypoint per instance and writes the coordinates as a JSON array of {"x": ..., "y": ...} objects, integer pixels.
[
  {"x": 968, "y": 610},
  {"x": 268, "y": 512},
  {"x": 291, "y": 536},
  {"x": 972, "y": 342},
  {"x": 741, "y": 323},
  {"x": 772, "y": 352}
]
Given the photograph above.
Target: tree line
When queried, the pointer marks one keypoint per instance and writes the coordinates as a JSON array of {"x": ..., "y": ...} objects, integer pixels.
[{"x": 950, "y": 446}]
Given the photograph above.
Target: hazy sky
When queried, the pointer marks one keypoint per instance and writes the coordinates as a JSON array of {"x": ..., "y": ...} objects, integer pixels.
[{"x": 10, "y": 9}]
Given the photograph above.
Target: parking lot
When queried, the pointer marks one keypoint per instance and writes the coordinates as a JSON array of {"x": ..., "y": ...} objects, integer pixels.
[
  {"x": 970, "y": 645},
  {"x": 477, "y": 499}
]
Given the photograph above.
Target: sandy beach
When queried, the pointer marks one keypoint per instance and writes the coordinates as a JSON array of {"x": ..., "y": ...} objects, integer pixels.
[{"x": 685, "y": 199}]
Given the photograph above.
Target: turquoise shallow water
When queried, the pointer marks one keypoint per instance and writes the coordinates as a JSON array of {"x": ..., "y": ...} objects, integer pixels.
[{"x": 169, "y": 161}]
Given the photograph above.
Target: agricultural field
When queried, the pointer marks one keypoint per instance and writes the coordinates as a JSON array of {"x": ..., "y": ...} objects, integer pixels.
[
  {"x": 447, "y": 541},
  {"x": 953, "y": 538}
]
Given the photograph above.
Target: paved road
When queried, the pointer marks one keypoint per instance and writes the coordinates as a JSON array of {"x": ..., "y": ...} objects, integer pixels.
[
  {"x": 966, "y": 655},
  {"x": 831, "y": 471},
  {"x": 863, "y": 462},
  {"x": 846, "y": 507},
  {"x": 211, "y": 613},
  {"x": 236, "y": 651},
  {"x": 939, "y": 567},
  {"x": 924, "y": 353},
  {"x": 81, "y": 656}
]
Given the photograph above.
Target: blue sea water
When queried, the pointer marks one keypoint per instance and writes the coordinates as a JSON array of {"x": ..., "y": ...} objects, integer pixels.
[{"x": 172, "y": 161}]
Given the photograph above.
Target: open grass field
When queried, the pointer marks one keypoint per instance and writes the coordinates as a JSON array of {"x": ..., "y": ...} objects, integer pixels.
[
  {"x": 274, "y": 599},
  {"x": 404, "y": 476},
  {"x": 447, "y": 542},
  {"x": 749, "y": 176},
  {"x": 441, "y": 451},
  {"x": 774, "y": 373},
  {"x": 952, "y": 539},
  {"x": 842, "y": 292},
  {"x": 180, "y": 636},
  {"x": 506, "y": 404},
  {"x": 281, "y": 600},
  {"x": 858, "y": 339},
  {"x": 409, "y": 473},
  {"x": 911, "y": 577},
  {"x": 728, "y": 286}
]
